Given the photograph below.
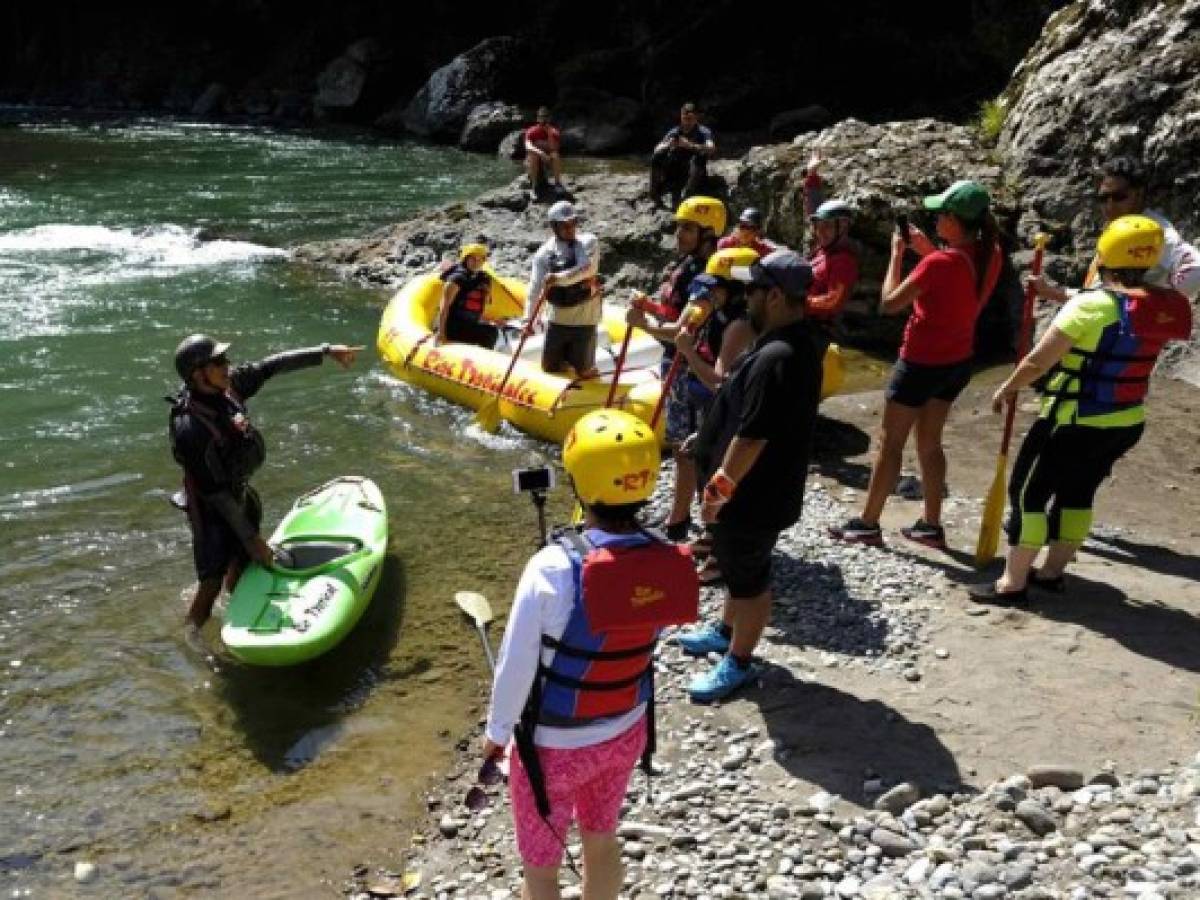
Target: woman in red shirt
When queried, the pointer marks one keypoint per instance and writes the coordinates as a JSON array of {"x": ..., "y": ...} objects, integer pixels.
[{"x": 947, "y": 290}]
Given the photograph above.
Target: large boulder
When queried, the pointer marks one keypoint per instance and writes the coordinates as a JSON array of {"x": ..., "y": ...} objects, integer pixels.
[
  {"x": 488, "y": 124},
  {"x": 439, "y": 110},
  {"x": 597, "y": 123},
  {"x": 344, "y": 88},
  {"x": 1106, "y": 77}
]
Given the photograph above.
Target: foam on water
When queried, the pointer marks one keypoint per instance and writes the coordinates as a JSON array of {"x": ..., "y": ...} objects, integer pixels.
[{"x": 168, "y": 246}]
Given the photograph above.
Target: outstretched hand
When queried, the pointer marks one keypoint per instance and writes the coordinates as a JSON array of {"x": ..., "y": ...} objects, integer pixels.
[{"x": 814, "y": 163}]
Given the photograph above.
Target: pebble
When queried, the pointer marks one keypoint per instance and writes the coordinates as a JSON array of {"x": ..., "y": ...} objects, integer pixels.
[
  {"x": 85, "y": 872},
  {"x": 899, "y": 798},
  {"x": 1062, "y": 777},
  {"x": 1035, "y": 816}
]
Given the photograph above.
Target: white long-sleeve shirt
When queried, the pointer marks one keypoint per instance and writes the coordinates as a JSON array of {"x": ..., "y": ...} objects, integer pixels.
[
  {"x": 587, "y": 263},
  {"x": 542, "y": 606},
  {"x": 1179, "y": 268}
]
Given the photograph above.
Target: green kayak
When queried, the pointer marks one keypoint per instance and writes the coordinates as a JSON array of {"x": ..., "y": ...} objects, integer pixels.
[{"x": 329, "y": 553}]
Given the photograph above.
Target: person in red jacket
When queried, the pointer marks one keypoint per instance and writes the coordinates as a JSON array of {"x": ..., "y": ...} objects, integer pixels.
[{"x": 542, "y": 142}]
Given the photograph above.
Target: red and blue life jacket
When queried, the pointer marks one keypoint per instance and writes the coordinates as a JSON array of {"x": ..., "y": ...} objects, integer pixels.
[{"x": 1116, "y": 375}]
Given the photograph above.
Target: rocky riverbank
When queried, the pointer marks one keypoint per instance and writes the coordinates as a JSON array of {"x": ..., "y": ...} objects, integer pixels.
[{"x": 901, "y": 742}]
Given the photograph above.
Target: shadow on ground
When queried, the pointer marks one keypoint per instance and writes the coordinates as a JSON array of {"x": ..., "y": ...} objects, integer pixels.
[
  {"x": 289, "y": 715},
  {"x": 1144, "y": 556},
  {"x": 836, "y": 740},
  {"x": 833, "y": 442},
  {"x": 813, "y": 609}
]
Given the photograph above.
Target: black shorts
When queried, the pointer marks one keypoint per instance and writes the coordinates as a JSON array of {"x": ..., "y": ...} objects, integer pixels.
[
  {"x": 467, "y": 331},
  {"x": 571, "y": 344},
  {"x": 214, "y": 544},
  {"x": 744, "y": 557},
  {"x": 915, "y": 385}
]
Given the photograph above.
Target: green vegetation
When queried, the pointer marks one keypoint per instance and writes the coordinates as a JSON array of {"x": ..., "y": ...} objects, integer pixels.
[{"x": 992, "y": 114}]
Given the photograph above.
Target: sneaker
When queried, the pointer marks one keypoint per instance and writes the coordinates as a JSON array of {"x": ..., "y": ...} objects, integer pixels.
[
  {"x": 677, "y": 531},
  {"x": 923, "y": 533},
  {"x": 720, "y": 681},
  {"x": 704, "y": 640},
  {"x": 856, "y": 531}
]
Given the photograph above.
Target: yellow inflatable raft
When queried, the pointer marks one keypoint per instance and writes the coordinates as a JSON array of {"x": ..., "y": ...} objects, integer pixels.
[{"x": 538, "y": 403}]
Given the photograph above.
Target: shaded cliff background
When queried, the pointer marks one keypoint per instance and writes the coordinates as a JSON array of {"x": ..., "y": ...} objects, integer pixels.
[{"x": 362, "y": 61}]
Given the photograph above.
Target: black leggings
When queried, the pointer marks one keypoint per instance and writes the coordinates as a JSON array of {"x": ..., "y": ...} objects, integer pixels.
[{"x": 1055, "y": 478}]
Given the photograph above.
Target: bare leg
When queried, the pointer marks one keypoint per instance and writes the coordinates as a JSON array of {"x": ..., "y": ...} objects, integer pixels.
[
  {"x": 685, "y": 488},
  {"x": 541, "y": 883},
  {"x": 898, "y": 421},
  {"x": 202, "y": 602},
  {"x": 533, "y": 168},
  {"x": 1016, "y": 568},
  {"x": 1058, "y": 557},
  {"x": 931, "y": 457},
  {"x": 556, "y": 167},
  {"x": 750, "y": 617},
  {"x": 602, "y": 869}
]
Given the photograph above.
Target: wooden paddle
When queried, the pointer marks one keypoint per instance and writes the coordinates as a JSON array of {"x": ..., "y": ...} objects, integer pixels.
[
  {"x": 488, "y": 415},
  {"x": 993, "y": 508},
  {"x": 476, "y": 607}
]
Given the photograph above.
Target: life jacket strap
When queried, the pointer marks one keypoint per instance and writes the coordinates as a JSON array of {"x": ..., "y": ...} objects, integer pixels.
[
  {"x": 578, "y": 653},
  {"x": 578, "y": 685}
]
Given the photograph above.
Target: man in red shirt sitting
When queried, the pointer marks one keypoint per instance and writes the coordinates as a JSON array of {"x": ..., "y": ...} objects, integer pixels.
[{"x": 541, "y": 152}]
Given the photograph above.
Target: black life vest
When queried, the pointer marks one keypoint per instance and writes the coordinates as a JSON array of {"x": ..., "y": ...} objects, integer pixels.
[
  {"x": 709, "y": 341},
  {"x": 473, "y": 288},
  {"x": 568, "y": 294},
  {"x": 603, "y": 663},
  {"x": 237, "y": 449}
]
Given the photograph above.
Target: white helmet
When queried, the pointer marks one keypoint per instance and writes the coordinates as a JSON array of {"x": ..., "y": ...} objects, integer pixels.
[{"x": 562, "y": 211}]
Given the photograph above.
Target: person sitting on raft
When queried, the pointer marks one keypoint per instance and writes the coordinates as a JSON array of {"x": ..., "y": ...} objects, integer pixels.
[
  {"x": 464, "y": 298},
  {"x": 214, "y": 441},
  {"x": 947, "y": 290},
  {"x": 748, "y": 232},
  {"x": 1099, "y": 351},
  {"x": 565, "y": 268},
  {"x": 579, "y": 607}
]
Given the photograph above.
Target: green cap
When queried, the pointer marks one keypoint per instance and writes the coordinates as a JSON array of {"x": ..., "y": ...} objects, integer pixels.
[{"x": 968, "y": 200}]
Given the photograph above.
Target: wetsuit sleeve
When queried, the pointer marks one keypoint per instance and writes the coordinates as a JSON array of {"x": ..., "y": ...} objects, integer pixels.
[
  {"x": 766, "y": 407},
  {"x": 841, "y": 275},
  {"x": 541, "y": 586},
  {"x": 248, "y": 379},
  {"x": 234, "y": 514}
]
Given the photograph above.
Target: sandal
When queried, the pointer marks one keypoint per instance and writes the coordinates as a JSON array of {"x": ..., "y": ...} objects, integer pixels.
[
  {"x": 989, "y": 593},
  {"x": 677, "y": 531},
  {"x": 710, "y": 575}
]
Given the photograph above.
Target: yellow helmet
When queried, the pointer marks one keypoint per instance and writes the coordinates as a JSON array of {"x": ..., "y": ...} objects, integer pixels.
[
  {"x": 612, "y": 457},
  {"x": 1131, "y": 242},
  {"x": 707, "y": 212},
  {"x": 722, "y": 262},
  {"x": 472, "y": 250}
]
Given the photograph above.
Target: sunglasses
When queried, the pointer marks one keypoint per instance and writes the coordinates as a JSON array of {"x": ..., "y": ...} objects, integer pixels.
[
  {"x": 491, "y": 773},
  {"x": 221, "y": 360},
  {"x": 1113, "y": 196}
]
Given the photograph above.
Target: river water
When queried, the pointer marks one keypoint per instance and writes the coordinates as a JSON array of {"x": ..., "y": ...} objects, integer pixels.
[{"x": 118, "y": 744}]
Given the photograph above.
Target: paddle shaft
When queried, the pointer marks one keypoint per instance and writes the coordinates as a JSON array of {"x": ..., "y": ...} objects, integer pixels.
[
  {"x": 512, "y": 363},
  {"x": 1024, "y": 336},
  {"x": 487, "y": 647},
  {"x": 612, "y": 388},
  {"x": 698, "y": 318}
]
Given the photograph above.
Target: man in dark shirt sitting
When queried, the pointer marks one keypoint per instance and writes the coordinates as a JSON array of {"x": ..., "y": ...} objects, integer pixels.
[
  {"x": 679, "y": 165},
  {"x": 753, "y": 449},
  {"x": 219, "y": 449}
]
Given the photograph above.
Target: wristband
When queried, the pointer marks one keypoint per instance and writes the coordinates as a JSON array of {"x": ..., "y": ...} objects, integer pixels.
[{"x": 720, "y": 488}]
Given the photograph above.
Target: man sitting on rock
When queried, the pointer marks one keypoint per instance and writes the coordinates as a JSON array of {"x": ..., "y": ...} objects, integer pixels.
[
  {"x": 679, "y": 165},
  {"x": 542, "y": 142}
]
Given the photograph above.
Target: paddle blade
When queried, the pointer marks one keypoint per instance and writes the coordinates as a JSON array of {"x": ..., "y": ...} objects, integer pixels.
[
  {"x": 487, "y": 416},
  {"x": 474, "y": 605},
  {"x": 993, "y": 514}
]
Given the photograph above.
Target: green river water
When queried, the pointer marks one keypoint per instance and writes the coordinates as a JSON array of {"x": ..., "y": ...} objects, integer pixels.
[{"x": 118, "y": 744}]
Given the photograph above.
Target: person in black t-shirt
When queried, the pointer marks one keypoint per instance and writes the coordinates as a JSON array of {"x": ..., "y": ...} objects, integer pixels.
[
  {"x": 464, "y": 298},
  {"x": 679, "y": 165},
  {"x": 753, "y": 448}
]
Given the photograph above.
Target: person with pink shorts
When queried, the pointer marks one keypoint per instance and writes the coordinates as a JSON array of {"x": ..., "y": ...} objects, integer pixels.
[{"x": 574, "y": 682}]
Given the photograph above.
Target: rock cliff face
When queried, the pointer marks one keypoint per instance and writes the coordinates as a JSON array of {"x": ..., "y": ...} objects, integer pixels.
[{"x": 1106, "y": 77}]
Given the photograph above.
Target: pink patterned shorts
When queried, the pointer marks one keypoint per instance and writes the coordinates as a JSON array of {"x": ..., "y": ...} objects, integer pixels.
[{"x": 586, "y": 785}]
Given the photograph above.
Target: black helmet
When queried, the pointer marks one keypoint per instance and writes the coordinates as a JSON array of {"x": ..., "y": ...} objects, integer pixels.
[
  {"x": 195, "y": 351},
  {"x": 752, "y": 217}
]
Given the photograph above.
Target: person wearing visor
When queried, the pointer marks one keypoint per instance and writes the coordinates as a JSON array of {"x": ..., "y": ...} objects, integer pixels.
[
  {"x": 1122, "y": 192},
  {"x": 219, "y": 448},
  {"x": 947, "y": 290},
  {"x": 565, "y": 268},
  {"x": 752, "y": 451},
  {"x": 834, "y": 260},
  {"x": 748, "y": 232},
  {"x": 464, "y": 298}
]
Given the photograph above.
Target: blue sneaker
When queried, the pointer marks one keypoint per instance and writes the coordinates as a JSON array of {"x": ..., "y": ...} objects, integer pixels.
[
  {"x": 720, "y": 681},
  {"x": 704, "y": 640}
]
